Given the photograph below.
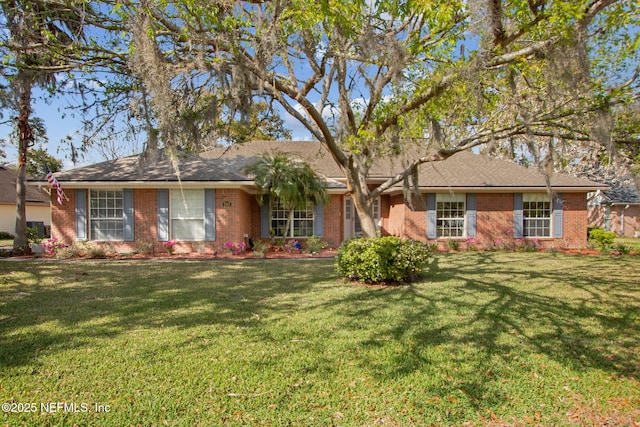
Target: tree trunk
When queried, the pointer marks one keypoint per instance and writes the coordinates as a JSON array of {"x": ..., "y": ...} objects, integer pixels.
[
  {"x": 360, "y": 194},
  {"x": 364, "y": 208},
  {"x": 287, "y": 228},
  {"x": 25, "y": 141}
]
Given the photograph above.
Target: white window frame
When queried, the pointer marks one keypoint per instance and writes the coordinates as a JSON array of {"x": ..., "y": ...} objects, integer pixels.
[
  {"x": 443, "y": 223},
  {"x": 307, "y": 216},
  {"x": 187, "y": 205},
  {"x": 541, "y": 206},
  {"x": 106, "y": 210}
]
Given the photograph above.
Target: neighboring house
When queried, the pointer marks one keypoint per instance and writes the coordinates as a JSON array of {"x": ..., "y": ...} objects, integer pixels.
[
  {"x": 617, "y": 209},
  {"x": 212, "y": 202},
  {"x": 38, "y": 207}
]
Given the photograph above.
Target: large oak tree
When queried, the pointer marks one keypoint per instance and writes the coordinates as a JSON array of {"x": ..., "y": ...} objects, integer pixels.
[
  {"x": 416, "y": 81},
  {"x": 411, "y": 81}
]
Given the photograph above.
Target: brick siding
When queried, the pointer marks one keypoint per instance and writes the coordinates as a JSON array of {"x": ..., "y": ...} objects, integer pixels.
[
  {"x": 494, "y": 222},
  {"x": 617, "y": 215},
  {"x": 237, "y": 213}
]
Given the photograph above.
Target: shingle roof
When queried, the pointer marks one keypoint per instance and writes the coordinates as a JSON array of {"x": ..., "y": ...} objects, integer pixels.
[
  {"x": 128, "y": 169},
  {"x": 622, "y": 194},
  {"x": 221, "y": 164},
  {"x": 469, "y": 170},
  {"x": 34, "y": 195},
  {"x": 462, "y": 170}
]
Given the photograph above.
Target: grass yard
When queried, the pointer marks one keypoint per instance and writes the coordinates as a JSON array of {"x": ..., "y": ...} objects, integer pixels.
[
  {"x": 631, "y": 242},
  {"x": 484, "y": 339}
]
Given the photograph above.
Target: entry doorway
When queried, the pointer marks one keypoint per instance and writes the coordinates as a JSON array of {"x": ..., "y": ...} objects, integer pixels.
[{"x": 352, "y": 227}]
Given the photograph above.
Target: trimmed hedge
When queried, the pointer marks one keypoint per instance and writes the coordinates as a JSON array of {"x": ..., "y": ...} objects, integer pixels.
[{"x": 382, "y": 259}]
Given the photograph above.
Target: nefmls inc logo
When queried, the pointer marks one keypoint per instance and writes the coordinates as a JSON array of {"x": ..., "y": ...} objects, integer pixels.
[{"x": 53, "y": 407}]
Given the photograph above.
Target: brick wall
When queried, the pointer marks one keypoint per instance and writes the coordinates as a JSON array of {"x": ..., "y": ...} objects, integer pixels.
[
  {"x": 237, "y": 214},
  {"x": 575, "y": 222},
  {"x": 393, "y": 214},
  {"x": 618, "y": 214},
  {"x": 494, "y": 221},
  {"x": 631, "y": 220},
  {"x": 63, "y": 217},
  {"x": 233, "y": 216},
  {"x": 145, "y": 219},
  {"x": 494, "y": 218}
]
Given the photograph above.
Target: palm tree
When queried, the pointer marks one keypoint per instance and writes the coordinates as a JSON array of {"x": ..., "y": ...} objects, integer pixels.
[
  {"x": 37, "y": 35},
  {"x": 291, "y": 182}
]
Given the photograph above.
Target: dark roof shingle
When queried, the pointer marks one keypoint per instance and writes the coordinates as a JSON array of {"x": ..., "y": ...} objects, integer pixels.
[
  {"x": 8, "y": 177},
  {"x": 462, "y": 170}
]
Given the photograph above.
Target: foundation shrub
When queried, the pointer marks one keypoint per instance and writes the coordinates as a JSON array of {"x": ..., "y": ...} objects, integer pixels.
[
  {"x": 315, "y": 244},
  {"x": 602, "y": 239}
]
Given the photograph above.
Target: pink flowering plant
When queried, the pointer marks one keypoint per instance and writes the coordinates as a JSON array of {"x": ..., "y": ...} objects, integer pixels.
[
  {"x": 170, "y": 246},
  {"x": 236, "y": 249},
  {"x": 53, "y": 245},
  {"x": 293, "y": 246},
  {"x": 504, "y": 240},
  {"x": 472, "y": 243}
]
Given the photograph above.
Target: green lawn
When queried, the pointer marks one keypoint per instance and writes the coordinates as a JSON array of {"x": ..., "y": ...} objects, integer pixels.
[
  {"x": 483, "y": 339},
  {"x": 631, "y": 242}
]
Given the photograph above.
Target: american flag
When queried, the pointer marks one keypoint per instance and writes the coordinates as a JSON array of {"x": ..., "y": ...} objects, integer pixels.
[{"x": 53, "y": 182}]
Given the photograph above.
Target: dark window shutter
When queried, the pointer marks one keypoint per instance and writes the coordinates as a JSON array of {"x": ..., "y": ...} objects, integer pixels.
[
  {"x": 163, "y": 215},
  {"x": 471, "y": 215},
  {"x": 318, "y": 226},
  {"x": 265, "y": 218},
  {"x": 518, "y": 218},
  {"x": 210, "y": 215},
  {"x": 558, "y": 215},
  {"x": 127, "y": 203},
  {"x": 81, "y": 214},
  {"x": 431, "y": 216}
]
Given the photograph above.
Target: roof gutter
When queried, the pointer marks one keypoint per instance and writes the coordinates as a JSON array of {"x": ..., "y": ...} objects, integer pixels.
[
  {"x": 247, "y": 186},
  {"x": 488, "y": 189}
]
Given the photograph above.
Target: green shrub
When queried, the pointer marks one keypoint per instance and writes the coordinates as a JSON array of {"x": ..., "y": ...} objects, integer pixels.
[
  {"x": 260, "y": 249},
  {"x": 315, "y": 244},
  {"x": 623, "y": 249},
  {"x": 96, "y": 252},
  {"x": 32, "y": 235},
  {"x": 603, "y": 239},
  {"x": 5, "y": 235},
  {"x": 453, "y": 245},
  {"x": 73, "y": 251},
  {"x": 144, "y": 247},
  {"x": 382, "y": 259}
]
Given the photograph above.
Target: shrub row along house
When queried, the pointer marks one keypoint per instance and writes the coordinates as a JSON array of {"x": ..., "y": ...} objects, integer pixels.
[{"x": 211, "y": 202}]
